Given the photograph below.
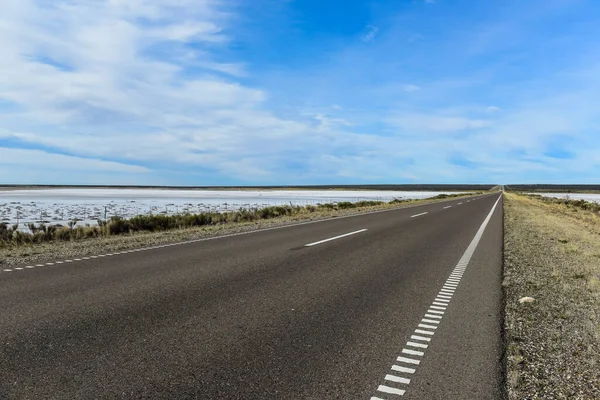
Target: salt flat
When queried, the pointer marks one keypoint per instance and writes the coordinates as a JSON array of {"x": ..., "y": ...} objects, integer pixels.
[
  {"x": 594, "y": 197},
  {"x": 88, "y": 205}
]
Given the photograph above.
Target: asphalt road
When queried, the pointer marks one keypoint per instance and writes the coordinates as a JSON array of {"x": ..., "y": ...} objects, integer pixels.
[{"x": 263, "y": 316}]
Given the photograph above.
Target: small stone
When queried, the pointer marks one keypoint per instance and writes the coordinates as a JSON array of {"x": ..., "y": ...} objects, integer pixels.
[{"x": 526, "y": 300}]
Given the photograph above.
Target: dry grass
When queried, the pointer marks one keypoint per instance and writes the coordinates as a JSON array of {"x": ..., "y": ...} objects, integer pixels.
[{"x": 552, "y": 253}]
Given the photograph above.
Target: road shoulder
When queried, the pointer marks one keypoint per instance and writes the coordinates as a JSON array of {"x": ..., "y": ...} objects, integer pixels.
[{"x": 552, "y": 291}]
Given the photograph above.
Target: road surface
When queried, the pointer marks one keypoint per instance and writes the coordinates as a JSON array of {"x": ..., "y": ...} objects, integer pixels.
[{"x": 402, "y": 304}]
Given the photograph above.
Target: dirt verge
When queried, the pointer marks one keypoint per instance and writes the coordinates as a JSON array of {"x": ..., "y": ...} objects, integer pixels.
[{"x": 552, "y": 293}]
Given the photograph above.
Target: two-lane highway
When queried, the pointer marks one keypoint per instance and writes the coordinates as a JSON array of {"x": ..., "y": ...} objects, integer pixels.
[{"x": 396, "y": 304}]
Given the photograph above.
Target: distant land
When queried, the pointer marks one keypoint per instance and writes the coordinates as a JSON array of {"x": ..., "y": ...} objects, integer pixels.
[
  {"x": 553, "y": 188},
  {"x": 407, "y": 187}
]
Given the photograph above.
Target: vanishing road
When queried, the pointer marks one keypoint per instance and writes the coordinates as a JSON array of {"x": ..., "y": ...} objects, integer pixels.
[{"x": 402, "y": 304}]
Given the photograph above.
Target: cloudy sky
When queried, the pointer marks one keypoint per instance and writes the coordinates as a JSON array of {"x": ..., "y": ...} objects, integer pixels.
[{"x": 230, "y": 92}]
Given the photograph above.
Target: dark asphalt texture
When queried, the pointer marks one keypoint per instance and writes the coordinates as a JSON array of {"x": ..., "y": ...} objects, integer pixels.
[{"x": 260, "y": 316}]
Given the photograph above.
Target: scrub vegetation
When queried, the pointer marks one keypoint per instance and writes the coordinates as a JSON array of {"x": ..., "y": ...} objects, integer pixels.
[{"x": 552, "y": 292}]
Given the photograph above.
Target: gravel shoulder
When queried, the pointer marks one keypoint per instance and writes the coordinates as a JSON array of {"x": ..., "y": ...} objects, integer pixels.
[
  {"x": 552, "y": 254},
  {"x": 57, "y": 250}
]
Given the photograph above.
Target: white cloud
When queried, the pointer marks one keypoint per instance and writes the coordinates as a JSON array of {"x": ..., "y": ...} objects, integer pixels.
[
  {"x": 410, "y": 88},
  {"x": 95, "y": 79},
  {"x": 492, "y": 109},
  {"x": 417, "y": 123},
  {"x": 370, "y": 34},
  {"x": 42, "y": 161}
]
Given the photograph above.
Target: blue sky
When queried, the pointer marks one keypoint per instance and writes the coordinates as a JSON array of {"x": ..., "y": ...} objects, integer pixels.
[{"x": 234, "y": 92}]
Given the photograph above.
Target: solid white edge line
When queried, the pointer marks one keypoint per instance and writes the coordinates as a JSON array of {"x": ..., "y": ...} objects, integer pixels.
[{"x": 334, "y": 238}]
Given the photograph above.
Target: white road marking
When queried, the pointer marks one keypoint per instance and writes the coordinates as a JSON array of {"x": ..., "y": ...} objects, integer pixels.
[
  {"x": 435, "y": 311},
  {"x": 39, "y": 265},
  {"x": 30, "y": 266},
  {"x": 7, "y": 270},
  {"x": 391, "y": 390},
  {"x": 417, "y": 337},
  {"x": 334, "y": 238},
  {"x": 422, "y": 332},
  {"x": 405, "y": 370},
  {"x": 438, "y": 307},
  {"x": 49, "y": 263},
  {"x": 18, "y": 268},
  {"x": 58, "y": 262},
  {"x": 376, "y": 398},
  {"x": 394, "y": 378},
  {"x": 447, "y": 207},
  {"x": 459, "y": 204},
  {"x": 412, "y": 352},
  {"x": 408, "y": 360},
  {"x": 418, "y": 215},
  {"x": 441, "y": 302}
]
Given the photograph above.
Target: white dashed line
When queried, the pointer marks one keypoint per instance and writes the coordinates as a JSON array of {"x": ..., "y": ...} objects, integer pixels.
[
  {"x": 408, "y": 360},
  {"x": 7, "y": 270},
  {"x": 417, "y": 337},
  {"x": 406, "y": 370},
  {"x": 18, "y": 268},
  {"x": 426, "y": 328},
  {"x": 418, "y": 215},
  {"x": 447, "y": 207},
  {"x": 391, "y": 390},
  {"x": 412, "y": 352},
  {"x": 398, "y": 379},
  {"x": 334, "y": 238}
]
